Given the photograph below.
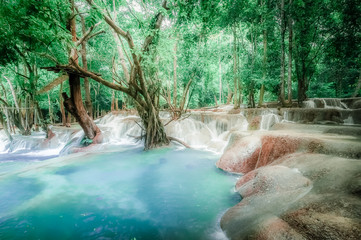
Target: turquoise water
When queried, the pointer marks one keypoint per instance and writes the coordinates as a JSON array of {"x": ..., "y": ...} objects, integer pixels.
[{"x": 130, "y": 194}]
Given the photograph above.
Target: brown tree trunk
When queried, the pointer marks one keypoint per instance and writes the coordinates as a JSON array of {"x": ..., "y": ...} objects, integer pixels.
[
  {"x": 61, "y": 103},
  {"x": 264, "y": 68},
  {"x": 50, "y": 112},
  {"x": 116, "y": 103},
  {"x": 358, "y": 86},
  {"x": 229, "y": 96},
  {"x": 74, "y": 104},
  {"x": 290, "y": 42},
  {"x": 220, "y": 80},
  {"x": 88, "y": 102},
  {"x": 236, "y": 98},
  {"x": 175, "y": 75},
  {"x": 261, "y": 95},
  {"x": 282, "y": 75},
  {"x": 302, "y": 88}
]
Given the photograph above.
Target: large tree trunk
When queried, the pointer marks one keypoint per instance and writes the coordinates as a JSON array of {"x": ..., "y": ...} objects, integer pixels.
[
  {"x": 88, "y": 102},
  {"x": 75, "y": 106},
  {"x": 154, "y": 132},
  {"x": 302, "y": 89}
]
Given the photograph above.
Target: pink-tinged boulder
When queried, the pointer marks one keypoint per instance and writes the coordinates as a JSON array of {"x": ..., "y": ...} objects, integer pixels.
[
  {"x": 267, "y": 193},
  {"x": 246, "y": 153},
  {"x": 308, "y": 196},
  {"x": 271, "y": 180},
  {"x": 241, "y": 154}
]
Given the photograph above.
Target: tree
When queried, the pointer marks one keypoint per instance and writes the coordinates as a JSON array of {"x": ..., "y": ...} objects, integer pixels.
[{"x": 145, "y": 92}]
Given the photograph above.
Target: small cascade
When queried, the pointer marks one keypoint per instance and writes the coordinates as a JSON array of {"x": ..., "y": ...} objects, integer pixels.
[
  {"x": 268, "y": 120},
  {"x": 4, "y": 142},
  {"x": 201, "y": 130},
  {"x": 36, "y": 146},
  {"x": 210, "y": 131},
  {"x": 333, "y": 103},
  {"x": 120, "y": 129},
  {"x": 348, "y": 121},
  {"x": 309, "y": 104}
]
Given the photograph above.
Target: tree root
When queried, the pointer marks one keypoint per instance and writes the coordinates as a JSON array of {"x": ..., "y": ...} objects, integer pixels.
[
  {"x": 138, "y": 138},
  {"x": 179, "y": 141}
]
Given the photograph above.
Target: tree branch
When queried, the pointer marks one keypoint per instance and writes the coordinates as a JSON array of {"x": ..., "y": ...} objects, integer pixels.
[{"x": 87, "y": 35}]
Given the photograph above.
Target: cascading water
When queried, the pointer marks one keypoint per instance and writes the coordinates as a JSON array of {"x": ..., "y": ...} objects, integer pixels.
[
  {"x": 268, "y": 120},
  {"x": 333, "y": 103},
  {"x": 207, "y": 131},
  {"x": 309, "y": 104}
]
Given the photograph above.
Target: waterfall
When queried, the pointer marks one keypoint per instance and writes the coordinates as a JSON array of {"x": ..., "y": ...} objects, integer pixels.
[
  {"x": 201, "y": 130},
  {"x": 309, "y": 104},
  {"x": 209, "y": 131},
  {"x": 334, "y": 103},
  {"x": 268, "y": 120},
  {"x": 324, "y": 103}
]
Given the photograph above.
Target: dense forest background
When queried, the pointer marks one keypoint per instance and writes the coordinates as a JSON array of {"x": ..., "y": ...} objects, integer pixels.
[{"x": 204, "y": 53}]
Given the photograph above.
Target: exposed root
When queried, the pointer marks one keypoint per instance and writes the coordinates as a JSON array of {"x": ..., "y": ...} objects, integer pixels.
[
  {"x": 138, "y": 138},
  {"x": 179, "y": 141}
]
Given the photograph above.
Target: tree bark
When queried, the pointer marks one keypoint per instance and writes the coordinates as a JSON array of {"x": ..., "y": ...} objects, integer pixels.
[
  {"x": 113, "y": 91},
  {"x": 220, "y": 80},
  {"x": 236, "y": 98},
  {"x": 74, "y": 104},
  {"x": 62, "y": 110},
  {"x": 264, "y": 68},
  {"x": 229, "y": 96},
  {"x": 282, "y": 75},
  {"x": 119, "y": 47},
  {"x": 302, "y": 88},
  {"x": 88, "y": 102},
  {"x": 175, "y": 75},
  {"x": 290, "y": 42},
  {"x": 358, "y": 86},
  {"x": 50, "y": 112}
]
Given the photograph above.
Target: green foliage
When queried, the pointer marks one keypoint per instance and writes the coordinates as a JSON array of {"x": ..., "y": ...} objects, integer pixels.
[{"x": 326, "y": 48}]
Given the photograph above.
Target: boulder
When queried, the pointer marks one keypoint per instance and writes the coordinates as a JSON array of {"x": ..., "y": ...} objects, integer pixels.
[
  {"x": 298, "y": 196},
  {"x": 267, "y": 193},
  {"x": 245, "y": 153}
]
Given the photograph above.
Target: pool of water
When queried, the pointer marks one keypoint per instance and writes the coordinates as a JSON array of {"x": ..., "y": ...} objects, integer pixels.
[{"x": 128, "y": 194}]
